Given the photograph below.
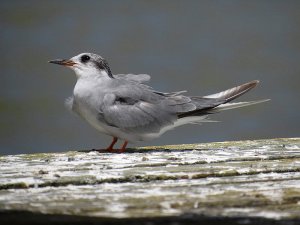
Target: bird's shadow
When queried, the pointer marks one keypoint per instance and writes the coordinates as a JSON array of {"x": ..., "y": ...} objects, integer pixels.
[{"x": 134, "y": 150}]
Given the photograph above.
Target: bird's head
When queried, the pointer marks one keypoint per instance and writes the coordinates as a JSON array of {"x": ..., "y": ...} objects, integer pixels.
[{"x": 86, "y": 65}]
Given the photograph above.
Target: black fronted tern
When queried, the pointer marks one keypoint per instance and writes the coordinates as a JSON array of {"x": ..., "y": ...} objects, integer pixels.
[{"x": 123, "y": 107}]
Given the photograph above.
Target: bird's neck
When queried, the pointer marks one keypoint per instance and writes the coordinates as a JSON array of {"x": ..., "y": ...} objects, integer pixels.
[{"x": 91, "y": 74}]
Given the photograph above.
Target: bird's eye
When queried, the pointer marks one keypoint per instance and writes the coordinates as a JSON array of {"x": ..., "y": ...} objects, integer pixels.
[{"x": 85, "y": 58}]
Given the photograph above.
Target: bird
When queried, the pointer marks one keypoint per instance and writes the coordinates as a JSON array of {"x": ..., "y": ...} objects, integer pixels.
[{"x": 124, "y": 107}]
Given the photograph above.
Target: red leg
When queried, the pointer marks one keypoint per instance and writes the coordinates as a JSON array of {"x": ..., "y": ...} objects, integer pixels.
[
  {"x": 123, "y": 147},
  {"x": 110, "y": 148}
]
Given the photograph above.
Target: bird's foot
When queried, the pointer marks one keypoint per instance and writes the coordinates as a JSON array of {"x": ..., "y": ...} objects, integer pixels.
[{"x": 121, "y": 150}]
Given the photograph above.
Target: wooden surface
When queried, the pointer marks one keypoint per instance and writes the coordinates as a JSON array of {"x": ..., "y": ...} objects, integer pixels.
[{"x": 248, "y": 179}]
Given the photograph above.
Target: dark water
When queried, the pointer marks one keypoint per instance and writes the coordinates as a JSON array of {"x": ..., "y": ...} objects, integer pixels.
[{"x": 200, "y": 46}]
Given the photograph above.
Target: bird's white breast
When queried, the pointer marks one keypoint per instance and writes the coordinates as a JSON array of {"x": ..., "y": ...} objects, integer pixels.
[{"x": 87, "y": 102}]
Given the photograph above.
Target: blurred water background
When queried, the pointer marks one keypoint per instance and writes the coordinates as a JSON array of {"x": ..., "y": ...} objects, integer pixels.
[{"x": 199, "y": 46}]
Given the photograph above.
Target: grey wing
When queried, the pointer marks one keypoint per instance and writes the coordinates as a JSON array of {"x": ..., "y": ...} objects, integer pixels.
[
  {"x": 136, "y": 107},
  {"x": 136, "y": 115}
]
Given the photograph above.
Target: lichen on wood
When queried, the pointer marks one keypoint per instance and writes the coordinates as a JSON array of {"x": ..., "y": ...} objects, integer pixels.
[{"x": 259, "y": 178}]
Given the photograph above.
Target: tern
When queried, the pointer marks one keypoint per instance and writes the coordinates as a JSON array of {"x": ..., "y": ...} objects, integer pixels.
[{"x": 124, "y": 107}]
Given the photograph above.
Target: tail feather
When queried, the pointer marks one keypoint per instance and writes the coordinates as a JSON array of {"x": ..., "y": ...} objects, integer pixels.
[
  {"x": 235, "y": 105},
  {"x": 219, "y": 102},
  {"x": 235, "y": 92}
]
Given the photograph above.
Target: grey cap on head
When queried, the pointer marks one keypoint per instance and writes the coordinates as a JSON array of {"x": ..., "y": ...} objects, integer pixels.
[{"x": 98, "y": 61}]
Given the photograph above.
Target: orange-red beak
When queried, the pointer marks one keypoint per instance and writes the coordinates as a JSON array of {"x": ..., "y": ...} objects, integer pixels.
[{"x": 63, "y": 62}]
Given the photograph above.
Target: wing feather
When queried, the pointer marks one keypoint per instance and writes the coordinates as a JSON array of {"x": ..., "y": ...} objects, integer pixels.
[
  {"x": 139, "y": 78},
  {"x": 136, "y": 108}
]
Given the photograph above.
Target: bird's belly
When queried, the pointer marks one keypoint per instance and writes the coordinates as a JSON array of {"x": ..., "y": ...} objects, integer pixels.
[{"x": 91, "y": 116}]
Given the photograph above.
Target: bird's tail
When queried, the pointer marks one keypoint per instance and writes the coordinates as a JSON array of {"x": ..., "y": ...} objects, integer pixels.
[
  {"x": 232, "y": 94},
  {"x": 220, "y": 101},
  {"x": 227, "y": 106}
]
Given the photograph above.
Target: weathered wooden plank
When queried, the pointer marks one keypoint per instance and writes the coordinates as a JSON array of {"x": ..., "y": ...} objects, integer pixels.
[{"x": 258, "y": 178}]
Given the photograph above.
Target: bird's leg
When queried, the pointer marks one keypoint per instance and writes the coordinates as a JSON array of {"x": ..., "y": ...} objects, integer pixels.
[
  {"x": 123, "y": 147},
  {"x": 110, "y": 148}
]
